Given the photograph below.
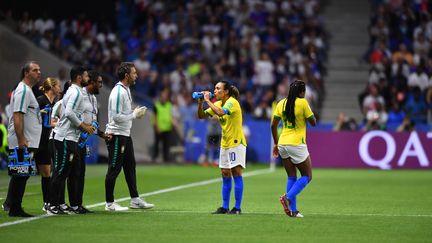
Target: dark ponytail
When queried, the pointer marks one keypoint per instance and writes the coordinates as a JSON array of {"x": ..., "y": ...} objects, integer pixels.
[
  {"x": 296, "y": 88},
  {"x": 232, "y": 90}
]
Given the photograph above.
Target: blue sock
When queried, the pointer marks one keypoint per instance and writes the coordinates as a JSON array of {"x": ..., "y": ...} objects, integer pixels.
[
  {"x": 290, "y": 184},
  {"x": 226, "y": 191},
  {"x": 298, "y": 186},
  {"x": 238, "y": 190}
]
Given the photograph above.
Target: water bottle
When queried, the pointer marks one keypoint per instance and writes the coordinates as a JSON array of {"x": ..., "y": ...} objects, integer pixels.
[
  {"x": 200, "y": 95},
  {"x": 84, "y": 135},
  {"x": 46, "y": 116}
]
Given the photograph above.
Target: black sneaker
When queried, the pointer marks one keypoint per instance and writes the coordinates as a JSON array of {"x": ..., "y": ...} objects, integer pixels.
[
  {"x": 45, "y": 207},
  {"x": 85, "y": 209},
  {"x": 19, "y": 213},
  {"x": 221, "y": 210},
  {"x": 65, "y": 208},
  {"x": 235, "y": 210},
  {"x": 55, "y": 210},
  {"x": 78, "y": 210},
  {"x": 81, "y": 210}
]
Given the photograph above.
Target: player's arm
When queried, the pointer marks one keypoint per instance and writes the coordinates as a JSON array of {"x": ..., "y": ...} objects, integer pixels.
[
  {"x": 218, "y": 111},
  {"x": 18, "y": 118},
  {"x": 277, "y": 114},
  {"x": 201, "y": 113},
  {"x": 274, "y": 129},
  {"x": 312, "y": 120},
  {"x": 20, "y": 106},
  {"x": 103, "y": 135},
  {"x": 310, "y": 117}
]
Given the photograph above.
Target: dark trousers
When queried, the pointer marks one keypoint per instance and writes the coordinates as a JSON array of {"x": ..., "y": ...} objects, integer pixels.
[
  {"x": 163, "y": 137},
  {"x": 51, "y": 147},
  {"x": 75, "y": 181},
  {"x": 16, "y": 188},
  {"x": 120, "y": 154},
  {"x": 64, "y": 154}
]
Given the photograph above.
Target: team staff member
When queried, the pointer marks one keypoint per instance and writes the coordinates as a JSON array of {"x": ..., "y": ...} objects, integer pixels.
[
  {"x": 120, "y": 147},
  {"x": 294, "y": 111},
  {"x": 51, "y": 91},
  {"x": 77, "y": 177},
  {"x": 24, "y": 130},
  {"x": 67, "y": 134},
  {"x": 55, "y": 117},
  {"x": 232, "y": 159}
]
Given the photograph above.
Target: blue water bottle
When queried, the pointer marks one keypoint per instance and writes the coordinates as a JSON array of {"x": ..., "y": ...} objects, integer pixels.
[
  {"x": 84, "y": 135},
  {"x": 46, "y": 116},
  {"x": 200, "y": 95}
]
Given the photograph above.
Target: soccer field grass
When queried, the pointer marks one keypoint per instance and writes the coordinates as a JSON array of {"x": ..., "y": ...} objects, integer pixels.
[{"x": 339, "y": 206}]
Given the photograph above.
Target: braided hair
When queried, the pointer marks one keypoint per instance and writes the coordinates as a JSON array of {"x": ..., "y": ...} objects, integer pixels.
[
  {"x": 232, "y": 90},
  {"x": 296, "y": 88}
]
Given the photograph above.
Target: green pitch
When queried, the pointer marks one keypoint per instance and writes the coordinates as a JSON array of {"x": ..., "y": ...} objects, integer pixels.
[{"x": 339, "y": 206}]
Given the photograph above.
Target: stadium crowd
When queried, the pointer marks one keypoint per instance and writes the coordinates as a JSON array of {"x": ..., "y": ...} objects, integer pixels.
[
  {"x": 399, "y": 90},
  {"x": 184, "y": 46}
]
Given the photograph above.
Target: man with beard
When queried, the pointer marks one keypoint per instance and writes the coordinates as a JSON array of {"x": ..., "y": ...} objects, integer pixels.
[
  {"x": 120, "y": 146},
  {"x": 67, "y": 133},
  {"x": 76, "y": 178}
]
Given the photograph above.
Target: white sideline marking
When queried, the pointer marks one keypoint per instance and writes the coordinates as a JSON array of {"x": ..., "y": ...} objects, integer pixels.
[
  {"x": 176, "y": 188},
  {"x": 281, "y": 213}
]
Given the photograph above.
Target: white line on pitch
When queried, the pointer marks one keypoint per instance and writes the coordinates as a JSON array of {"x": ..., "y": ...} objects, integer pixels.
[
  {"x": 281, "y": 213},
  {"x": 176, "y": 188}
]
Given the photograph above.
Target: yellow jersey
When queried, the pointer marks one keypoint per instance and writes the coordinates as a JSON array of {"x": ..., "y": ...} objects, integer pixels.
[
  {"x": 293, "y": 135},
  {"x": 231, "y": 123}
]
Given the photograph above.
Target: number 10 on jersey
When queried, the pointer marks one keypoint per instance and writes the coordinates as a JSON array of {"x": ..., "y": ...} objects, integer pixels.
[{"x": 232, "y": 156}]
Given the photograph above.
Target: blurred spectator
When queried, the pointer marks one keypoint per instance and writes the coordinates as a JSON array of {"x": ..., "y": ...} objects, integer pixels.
[
  {"x": 407, "y": 125},
  {"x": 372, "y": 101},
  {"x": 180, "y": 80},
  {"x": 377, "y": 118},
  {"x": 44, "y": 24},
  {"x": 403, "y": 54},
  {"x": 264, "y": 68},
  {"x": 163, "y": 125},
  {"x": 3, "y": 144},
  {"x": 418, "y": 79},
  {"x": 415, "y": 106},
  {"x": 3, "y": 116},
  {"x": 248, "y": 103},
  {"x": 166, "y": 28},
  {"x": 61, "y": 76},
  {"x": 396, "y": 115},
  {"x": 429, "y": 103},
  {"x": 211, "y": 154},
  {"x": 344, "y": 123}
]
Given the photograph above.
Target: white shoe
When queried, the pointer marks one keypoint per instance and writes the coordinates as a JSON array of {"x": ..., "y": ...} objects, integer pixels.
[
  {"x": 66, "y": 208},
  {"x": 45, "y": 207},
  {"x": 140, "y": 203},
  {"x": 297, "y": 215},
  {"x": 114, "y": 207}
]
